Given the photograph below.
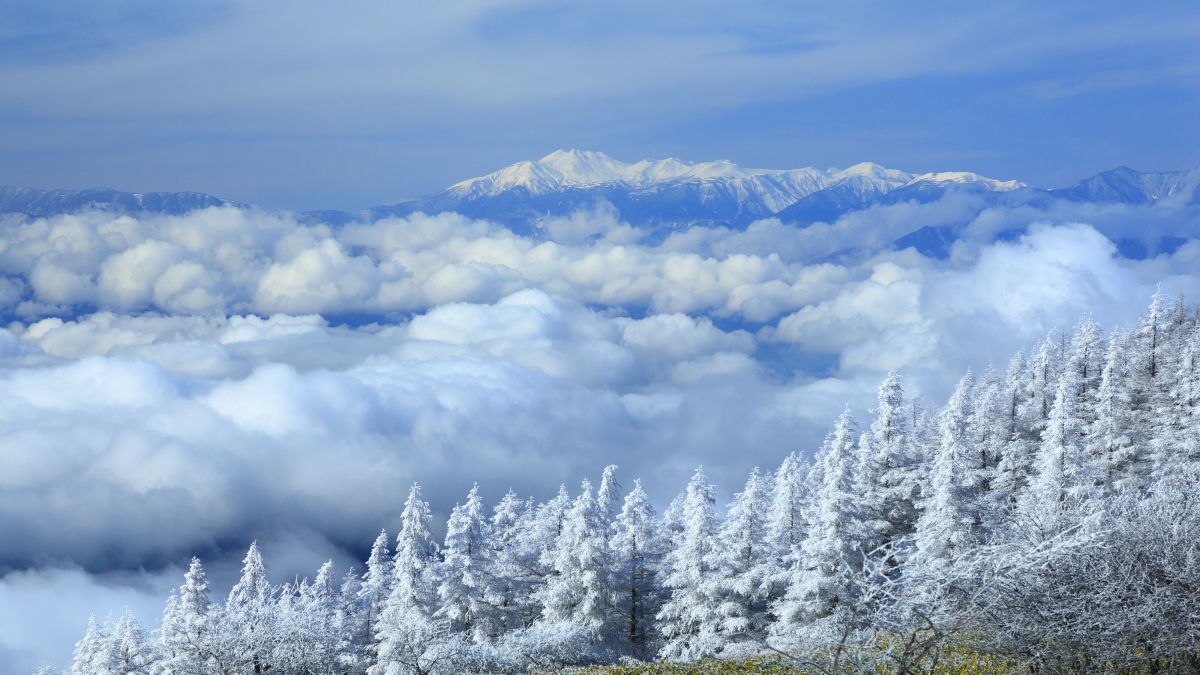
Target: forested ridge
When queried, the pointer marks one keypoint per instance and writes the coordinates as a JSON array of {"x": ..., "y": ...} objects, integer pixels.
[{"x": 1047, "y": 515}]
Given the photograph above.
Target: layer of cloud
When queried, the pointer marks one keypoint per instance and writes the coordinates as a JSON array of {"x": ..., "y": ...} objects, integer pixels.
[{"x": 173, "y": 386}]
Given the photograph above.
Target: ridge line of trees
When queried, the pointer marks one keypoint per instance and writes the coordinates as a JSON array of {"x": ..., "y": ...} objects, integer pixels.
[{"x": 1047, "y": 515}]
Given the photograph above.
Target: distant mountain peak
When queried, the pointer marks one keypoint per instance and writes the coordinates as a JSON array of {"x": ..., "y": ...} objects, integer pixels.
[{"x": 966, "y": 177}]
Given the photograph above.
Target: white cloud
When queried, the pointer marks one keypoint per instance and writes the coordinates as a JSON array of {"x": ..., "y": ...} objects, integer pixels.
[{"x": 214, "y": 397}]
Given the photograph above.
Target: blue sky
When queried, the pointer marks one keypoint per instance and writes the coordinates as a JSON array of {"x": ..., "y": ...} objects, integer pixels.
[{"x": 308, "y": 105}]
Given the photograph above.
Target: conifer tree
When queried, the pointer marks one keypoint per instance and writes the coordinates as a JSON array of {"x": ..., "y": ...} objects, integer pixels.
[
  {"x": 739, "y": 562},
  {"x": 822, "y": 581},
  {"x": 891, "y": 476},
  {"x": 126, "y": 650},
  {"x": 408, "y": 637},
  {"x": 509, "y": 591},
  {"x": 579, "y": 589},
  {"x": 786, "y": 522},
  {"x": 1015, "y": 467},
  {"x": 1063, "y": 469},
  {"x": 949, "y": 519},
  {"x": 88, "y": 655},
  {"x": 375, "y": 585},
  {"x": 1109, "y": 443},
  {"x": 185, "y": 633},
  {"x": 686, "y": 619},
  {"x": 354, "y": 649},
  {"x": 247, "y": 627},
  {"x": 637, "y": 549},
  {"x": 463, "y": 573}
]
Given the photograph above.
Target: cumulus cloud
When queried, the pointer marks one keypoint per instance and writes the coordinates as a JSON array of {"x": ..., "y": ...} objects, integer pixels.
[{"x": 173, "y": 386}]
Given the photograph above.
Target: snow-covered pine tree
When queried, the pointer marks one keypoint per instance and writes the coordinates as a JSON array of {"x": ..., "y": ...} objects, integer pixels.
[
  {"x": 1149, "y": 380},
  {"x": 376, "y": 584},
  {"x": 580, "y": 588},
  {"x": 125, "y": 650},
  {"x": 166, "y": 629},
  {"x": 509, "y": 591},
  {"x": 1109, "y": 444},
  {"x": 409, "y": 639},
  {"x": 1087, "y": 357},
  {"x": 89, "y": 651},
  {"x": 989, "y": 441},
  {"x": 1063, "y": 469},
  {"x": 686, "y": 620},
  {"x": 949, "y": 520},
  {"x": 890, "y": 482},
  {"x": 786, "y": 523},
  {"x": 290, "y": 644},
  {"x": 1173, "y": 444},
  {"x": 1044, "y": 369},
  {"x": 822, "y": 581},
  {"x": 739, "y": 562},
  {"x": 354, "y": 651},
  {"x": 246, "y": 625},
  {"x": 318, "y": 604},
  {"x": 463, "y": 578},
  {"x": 637, "y": 550},
  {"x": 1015, "y": 467},
  {"x": 537, "y": 539},
  {"x": 608, "y": 497},
  {"x": 1188, "y": 400},
  {"x": 184, "y": 636}
]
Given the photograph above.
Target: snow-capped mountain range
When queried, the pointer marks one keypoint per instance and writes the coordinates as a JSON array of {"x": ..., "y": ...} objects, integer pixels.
[
  {"x": 667, "y": 194},
  {"x": 674, "y": 193},
  {"x": 38, "y": 203},
  {"x": 670, "y": 194},
  {"x": 775, "y": 188}
]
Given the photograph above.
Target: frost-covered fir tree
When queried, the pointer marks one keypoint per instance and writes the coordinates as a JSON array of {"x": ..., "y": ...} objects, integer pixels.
[
  {"x": 88, "y": 656},
  {"x": 1173, "y": 443},
  {"x": 949, "y": 520},
  {"x": 889, "y": 482},
  {"x": 1063, "y": 469},
  {"x": 739, "y": 563},
  {"x": 608, "y": 497},
  {"x": 246, "y": 624},
  {"x": 580, "y": 587},
  {"x": 636, "y": 553},
  {"x": 184, "y": 638},
  {"x": 511, "y": 584},
  {"x": 822, "y": 582},
  {"x": 786, "y": 522},
  {"x": 463, "y": 577},
  {"x": 1108, "y": 442},
  {"x": 1044, "y": 369},
  {"x": 1149, "y": 373},
  {"x": 686, "y": 620},
  {"x": 1087, "y": 358},
  {"x": 538, "y": 537},
  {"x": 1015, "y": 467},
  {"x": 354, "y": 650},
  {"x": 989, "y": 440},
  {"x": 1187, "y": 397},
  {"x": 314, "y": 624},
  {"x": 125, "y": 650},
  {"x": 409, "y": 639},
  {"x": 375, "y": 585}
]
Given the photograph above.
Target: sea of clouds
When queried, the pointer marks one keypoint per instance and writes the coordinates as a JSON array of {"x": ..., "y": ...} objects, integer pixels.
[{"x": 179, "y": 385}]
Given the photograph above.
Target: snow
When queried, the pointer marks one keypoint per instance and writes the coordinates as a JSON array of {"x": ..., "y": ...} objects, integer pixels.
[
  {"x": 964, "y": 177},
  {"x": 776, "y": 189}
]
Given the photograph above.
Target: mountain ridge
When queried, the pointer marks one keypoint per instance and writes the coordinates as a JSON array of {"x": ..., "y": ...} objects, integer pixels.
[{"x": 667, "y": 193}]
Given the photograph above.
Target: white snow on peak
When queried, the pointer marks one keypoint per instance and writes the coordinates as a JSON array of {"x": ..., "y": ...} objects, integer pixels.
[
  {"x": 943, "y": 177},
  {"x": 775, "y": 188},
  {"x": 584, "y": 167},
  {"x": 873, "y": 171}
]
